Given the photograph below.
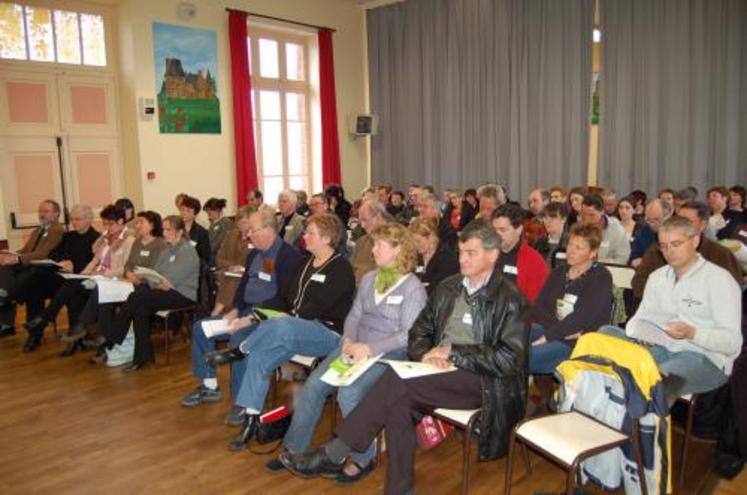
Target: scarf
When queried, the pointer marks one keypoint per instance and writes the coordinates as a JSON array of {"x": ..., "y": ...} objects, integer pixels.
[{"x": 386, "y": 277}]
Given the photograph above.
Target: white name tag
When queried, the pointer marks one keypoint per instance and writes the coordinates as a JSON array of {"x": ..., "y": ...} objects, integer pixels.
[
  {"x": 605, "y": 244},
  {"x": 563, "y": 308},
  {"x": 250, "y": 246},
  {"x": 265, "y": 276},
  {"x": 571, "y": 298},
  {"x": 216, "y": 227},
  {"x": 419, "y": 269},
  {"x": 510, "y": 269},
  {"x": 394, "y": 300},
  {"x": 45, "y": 234},
  {"x": 743, "y": 233},
  {"x": 560, "y": 255},
  {"x": 467, "y": 319},
  {"x": 173, "y": 258},
  {"x": 144, "y": 253},
  {"x": 319, "y": 277},
  {"x": 194, "y": 243}
]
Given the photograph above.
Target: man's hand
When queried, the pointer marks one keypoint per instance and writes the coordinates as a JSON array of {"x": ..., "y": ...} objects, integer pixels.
[
  {"x": 67, "y": 266},
  {"x": 438, "y": 356},
  {"x": 231, "y": 315},
  {"x": 540, "y": 341},
  {"x": 239, "y": 323},
  {"x": 438, "y": 362},
  {"x": 9, "y": 259},
  {"x": 165, "y": 285},
  {"x": 680, "y": 330}
]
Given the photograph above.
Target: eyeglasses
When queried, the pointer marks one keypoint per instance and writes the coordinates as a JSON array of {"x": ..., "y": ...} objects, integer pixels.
[{"x": 254, "y": 231}]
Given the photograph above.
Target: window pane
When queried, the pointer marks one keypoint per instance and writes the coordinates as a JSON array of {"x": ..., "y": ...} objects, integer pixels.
[
  {"x": 268, "y": 58},
  {"x": 68, "y": 41},
  {"x": 295, "y": 106},
  {"x": 41, "y": 45},
  {"x": 298, "y": 183},
  {"x": 94, "y": 40},
  {"x": 271, "y": 189},
  {"x": 272, "y": 149},
  {"x": 296, "y": 148},
  {"x": 269, "y": 102},
  {"x": 12, "y": 32},
  {"x": 294, "y": 62}
]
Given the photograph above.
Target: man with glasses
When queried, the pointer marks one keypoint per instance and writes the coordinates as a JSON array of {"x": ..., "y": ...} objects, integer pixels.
[
  {"x": 319, "y": 205},
  {"x": 269, "y": 268},
  {"x": 690, "y": 315},
  {"x": 657, "y": 211}
]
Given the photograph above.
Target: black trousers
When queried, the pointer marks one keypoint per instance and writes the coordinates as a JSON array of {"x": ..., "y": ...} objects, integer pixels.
[
  {"x": 15, "y": 280},
  {"x": 71, "y": 294},
  {"x": 100, "y": 314},
  {"x": 395, "y": 404},
  {"x": 138, "y": 309},
  {"x": 37, "y": 286}
]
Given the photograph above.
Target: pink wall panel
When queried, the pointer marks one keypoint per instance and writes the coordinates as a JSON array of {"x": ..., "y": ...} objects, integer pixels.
[
  {"x": 94, "y": 179},
  {"x": 27, "y": 102},
  {"x": 89, "y": 104},
  {"x": 34, "y": 180}
]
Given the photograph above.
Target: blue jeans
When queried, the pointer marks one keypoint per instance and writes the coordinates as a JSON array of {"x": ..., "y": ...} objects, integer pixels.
[
  {"x": 201, "y": 345},
  {"x": 544, "y": 358},
  {"x": 273, "y": 343},
  {"x": 310, "y": 404},
  {"x": 698, "y": 372}
]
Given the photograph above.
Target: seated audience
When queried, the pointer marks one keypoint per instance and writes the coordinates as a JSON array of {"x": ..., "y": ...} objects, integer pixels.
[
  {"x": 290, "y": 223},
  {"x": 321, "y": 296},
  {"x": 626, "y": 214},
  {"x": 396, "y": 204},
  {"x": 737, "y": 196},
  {"x": 697, "y": 212},
  {"x": 220, "y": 226},
  {"x": 682, "y": 196},
  {"x": 575, "y": 202},
  {"x": 558, "y": 194},
  {"x": 689, "y": 317},
  {"x": 723, "y": 219},
  {"x": 639, "y": 203},
  {"x": 609, "y": 198},
  {"x": 657, "y": 212},
  {"x": 73, "y": 254},
  {"x": 667, "y": 195},
  {"x": 14, "y": 266},
  {"x": 551, "y": 246},
  {"x": 470, "y": 207},
  {"x": 489, "y": 198},
  {"x": 428, "y": 208},
  {"x": 534, "y": 227},
  {"x": 577, "y": 298},
  {"x": 129, "y": 210},
  {"x": 269, "y": 271},
  {"x": 385, "y": 307},
  {"x": 302, "y": 207},
  {"x": 337, "y": 202},
  {"x": 179, "y": 266},
  {"x": 317, "y": 206},
  {"x": 615, "y": 247},
  {"x": 371, "y": 214},
  {"x": 231, "y": 258},
  {"x": 518, "y": 262},
  {"x": 194, "y": 233},
  {"x": 384, "y": 194},
  {"x": 453, "y": 209},
  {"x": 436, "y": 261},
  {"x": 476, "y": 321}
]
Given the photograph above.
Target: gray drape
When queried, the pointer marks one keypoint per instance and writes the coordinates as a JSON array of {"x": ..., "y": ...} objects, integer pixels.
[
  {"x": 474, "y": 91},
  {"x": 673, "y": 97}
]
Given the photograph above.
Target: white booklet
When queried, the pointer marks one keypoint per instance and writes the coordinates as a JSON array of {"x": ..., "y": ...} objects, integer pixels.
[
  {"x": 415, "y": 369},
  {"x": 114, "y": 291},
  {"x": 74, "y": 276},
  {"x": 211, "y": 328},
  {"x": 148, "y": 274},
  {"x": 342, "y": 374},
  {"x": 46, "y": 263},
  {"x": 228, "y": 273},
  {"x": 649, "y": 331}
]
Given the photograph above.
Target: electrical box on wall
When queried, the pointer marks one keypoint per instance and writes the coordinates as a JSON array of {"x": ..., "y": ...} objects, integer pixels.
[
  {"x": 363, "y": 125},
  {"x": 147, "y": 108}
]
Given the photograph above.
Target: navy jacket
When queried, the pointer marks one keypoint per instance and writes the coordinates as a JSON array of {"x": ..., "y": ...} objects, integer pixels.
[{"x": 286, "y": 266}]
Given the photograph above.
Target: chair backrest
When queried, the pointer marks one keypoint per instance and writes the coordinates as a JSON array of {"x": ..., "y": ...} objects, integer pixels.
[{"x": 622, "y": 275}]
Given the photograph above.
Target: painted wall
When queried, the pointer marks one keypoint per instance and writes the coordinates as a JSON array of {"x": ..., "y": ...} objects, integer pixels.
[{"x": 203, "y": 165}]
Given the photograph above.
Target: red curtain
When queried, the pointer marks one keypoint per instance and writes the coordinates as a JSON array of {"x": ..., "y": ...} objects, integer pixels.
[
  {"x": 330, "y": 143},
  {"x": 243, "y": 126}
]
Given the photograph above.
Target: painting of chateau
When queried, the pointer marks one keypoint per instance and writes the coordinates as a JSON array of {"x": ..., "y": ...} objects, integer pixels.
[{"x": 185, "y": 80}]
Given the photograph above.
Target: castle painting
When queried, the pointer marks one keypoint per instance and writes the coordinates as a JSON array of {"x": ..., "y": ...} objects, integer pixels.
[{"x": 186, "y": 83}]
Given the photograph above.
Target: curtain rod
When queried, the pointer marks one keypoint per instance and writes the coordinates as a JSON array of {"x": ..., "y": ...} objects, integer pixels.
[{"x": 289, "y": 21}]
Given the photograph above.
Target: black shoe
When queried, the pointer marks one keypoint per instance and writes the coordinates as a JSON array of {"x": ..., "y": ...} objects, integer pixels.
[
  {"x": 71, "y": 349},
  {"x": 32, "y": 342},
  {"x": 201, "y": 395},
  {"x": 218, "y": 358},
  {"x": 6, "y": 331},
  {"x": 248, "y": 429},
  {"x": 76, "y": 333},
  {"x": 274, "y": 465},
  {"x": 35, "y": 325},
  {"x": 348, "y": 479},
  {"x": 312, "y": 464},
  {"x": 236, "y": 417}
]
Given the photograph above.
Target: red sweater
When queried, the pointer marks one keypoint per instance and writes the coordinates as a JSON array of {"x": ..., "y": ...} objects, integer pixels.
[{"x": 532, "y": 271}]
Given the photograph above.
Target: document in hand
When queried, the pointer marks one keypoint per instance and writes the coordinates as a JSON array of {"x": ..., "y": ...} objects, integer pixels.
[
  {"x": 211, "y": 328},
  {"x": 114, "y": 291},
  {"x": 46, "y": 264},
  {"x": 151, "y": 276},
  {"x": 342, "y": 374},
  {"x": 650, "y": 332},
  {"x": 74, "y": 276},
  {"x": 415, "y": 369}
]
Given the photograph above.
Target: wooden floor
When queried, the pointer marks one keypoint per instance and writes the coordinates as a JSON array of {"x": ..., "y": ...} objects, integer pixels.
[{"x": 70, "y": 427}]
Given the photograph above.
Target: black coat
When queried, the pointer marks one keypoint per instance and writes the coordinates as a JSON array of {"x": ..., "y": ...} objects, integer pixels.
[{"x": 501, "y": 318}]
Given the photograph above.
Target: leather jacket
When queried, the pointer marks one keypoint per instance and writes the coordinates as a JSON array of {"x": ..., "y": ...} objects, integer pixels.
[{"x": 500, "y": 316}]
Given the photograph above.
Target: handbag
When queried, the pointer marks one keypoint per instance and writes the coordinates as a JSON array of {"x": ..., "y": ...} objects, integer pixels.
[{"x": 431, "y": 431}]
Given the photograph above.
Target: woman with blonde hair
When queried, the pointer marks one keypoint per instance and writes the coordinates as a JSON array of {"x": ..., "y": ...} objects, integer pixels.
[{"x": 387, "y": 303}]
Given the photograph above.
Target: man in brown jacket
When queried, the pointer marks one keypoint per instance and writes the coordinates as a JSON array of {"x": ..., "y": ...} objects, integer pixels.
[
  {"x": 698, "y": 214},
  {"x": 371, "y": 214},
  {"x": 14, "y": 266}
]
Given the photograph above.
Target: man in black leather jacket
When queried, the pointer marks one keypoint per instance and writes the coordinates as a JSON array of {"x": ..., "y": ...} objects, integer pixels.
[{"x": 477, "y": 322}]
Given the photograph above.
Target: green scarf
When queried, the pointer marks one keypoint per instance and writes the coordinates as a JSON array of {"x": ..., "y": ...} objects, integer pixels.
[{"x": 386, "y": 277}]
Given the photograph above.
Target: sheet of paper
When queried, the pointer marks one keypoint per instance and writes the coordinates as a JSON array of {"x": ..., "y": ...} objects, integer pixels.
[
  {"x": 47, "y": 263},
  {"x": 343, "y": 375},
  {"x": 74, "y": 276},
  {"x": 211, "y": 328},
  {"x": 233, "y": 274},
  {"x": 114, "y": 291},
  {"x": 149, "y": 274},
  {"x": 649, "y": 331},
  {"x": 414, "y": 369}
]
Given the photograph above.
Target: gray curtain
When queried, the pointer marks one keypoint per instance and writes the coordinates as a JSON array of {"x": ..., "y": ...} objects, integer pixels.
[
  {"x": 474, "y": 91},
  {"x": 673, "y": 96}
]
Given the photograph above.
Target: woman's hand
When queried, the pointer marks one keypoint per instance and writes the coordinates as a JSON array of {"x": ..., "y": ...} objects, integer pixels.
[
  {"x": 358, "y": 351},
  {"x": 67, "y": 266},
  {"x": 540, "y": 341},
  {"x": 165, "y": 285}
]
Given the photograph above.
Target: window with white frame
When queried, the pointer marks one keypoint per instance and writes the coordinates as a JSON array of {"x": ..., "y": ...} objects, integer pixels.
[
  {"x": 40, "y": 34},
  {"x": 281, "y": 99}
]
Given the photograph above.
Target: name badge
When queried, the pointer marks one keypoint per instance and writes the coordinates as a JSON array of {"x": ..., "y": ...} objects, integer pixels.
[
  {"x": 144, "y": 253},
  {"x": 173, "y": 258},
  {"x": 194, "y": 243},
  {"x": 467, "y": 319},
  {"x": 571, "y": 298},
  {"x": 45, "y": 234},
  {"x": 605, "y": 244},
  {"x": 265, "y": 276},
  {"x": 319, "y": 277},
  {"x": 563, "y": 308},
  {"x": 419, "y": 269},
  {"x": 250, "y": 246},
  {"x": 560, "y": 255},
  {"x": 216, "y": 226},
  {"x": 510, "y": 269},
  {"x": 394, "y": 300},
  {"x": 743, "y": 233}
]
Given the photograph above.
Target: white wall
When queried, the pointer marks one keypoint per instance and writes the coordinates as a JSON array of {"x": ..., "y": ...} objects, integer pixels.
[{"x": 201, "y": 164}]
